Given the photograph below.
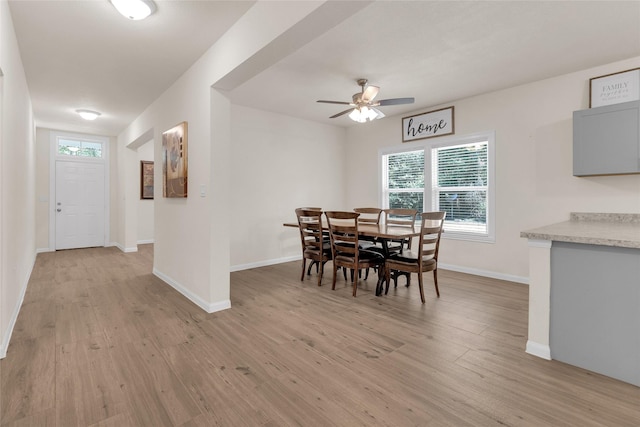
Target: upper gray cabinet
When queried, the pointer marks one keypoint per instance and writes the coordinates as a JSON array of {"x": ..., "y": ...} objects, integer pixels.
[{"x": 606, "y": 140}]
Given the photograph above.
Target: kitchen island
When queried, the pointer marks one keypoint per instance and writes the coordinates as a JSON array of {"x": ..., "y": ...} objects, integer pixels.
[{"x": 584, "y": 293}]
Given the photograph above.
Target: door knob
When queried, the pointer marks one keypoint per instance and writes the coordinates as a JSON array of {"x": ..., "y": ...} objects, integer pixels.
[{"x": 59, "y": 210}]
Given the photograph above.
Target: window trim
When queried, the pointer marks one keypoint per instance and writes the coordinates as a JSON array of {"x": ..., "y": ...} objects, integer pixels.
[{"x": 428, "y": 146}]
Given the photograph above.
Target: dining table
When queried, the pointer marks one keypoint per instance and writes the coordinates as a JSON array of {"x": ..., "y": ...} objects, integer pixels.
[{"x": 383, "y": 233}]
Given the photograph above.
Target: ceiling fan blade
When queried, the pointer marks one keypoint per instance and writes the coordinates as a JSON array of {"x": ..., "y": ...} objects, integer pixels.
[
  {"x": 395, "y": 101},
  {"x": 341, "y": 113},
  {"x": 334, "y": 102},
  {"x": 369, "y": 93}
]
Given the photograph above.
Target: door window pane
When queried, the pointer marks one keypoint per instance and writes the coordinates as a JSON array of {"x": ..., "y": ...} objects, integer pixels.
[{"x": 79, "y": 148}]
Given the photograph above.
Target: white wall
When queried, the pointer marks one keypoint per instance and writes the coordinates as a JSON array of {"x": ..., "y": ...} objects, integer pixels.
[
  {"x": 17, "y": 180},
  {"x": 43, "y": 152},
  {"x": 279, "y": 163},
  {"x": 534, "y": 181},
  {"x": 192, "y": 235},
  {"x": 145, "y": 206}
]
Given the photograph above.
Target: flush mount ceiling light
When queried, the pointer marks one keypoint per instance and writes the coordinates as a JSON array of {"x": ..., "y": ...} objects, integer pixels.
[
  {"x": 134, "y": 9},
  {"x": 88, "y": 114}
]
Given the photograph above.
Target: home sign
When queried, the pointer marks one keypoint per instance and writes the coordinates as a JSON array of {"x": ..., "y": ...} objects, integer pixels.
[{"x": 428, "y": 125}]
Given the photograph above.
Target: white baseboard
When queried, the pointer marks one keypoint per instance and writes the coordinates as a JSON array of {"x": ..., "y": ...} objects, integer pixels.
[
  {"x": 209, "y": 307},
  {"x": 43, "y": 250},
  {"x": 241, "y": 267},
  {"x": 146, "y": 242},
  {"x": 126, "y": 250},
  {"x": 6, "y": 337},
  {"x": 484, "y": 273},
  {"x": 539, "y": 350},
  {"x": 474, "y": 271}
]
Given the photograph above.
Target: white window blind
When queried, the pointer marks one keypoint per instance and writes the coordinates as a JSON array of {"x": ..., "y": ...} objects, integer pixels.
[
  {"x": 403, "y": 180},
  {"x": 460, "y": 186}
]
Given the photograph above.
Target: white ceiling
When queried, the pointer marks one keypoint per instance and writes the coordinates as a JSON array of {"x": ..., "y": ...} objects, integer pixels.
[{"x": 82, "y": 54}]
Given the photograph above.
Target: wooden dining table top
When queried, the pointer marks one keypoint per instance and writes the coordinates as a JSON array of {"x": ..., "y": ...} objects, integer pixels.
[{"x": 383, "y": 231}]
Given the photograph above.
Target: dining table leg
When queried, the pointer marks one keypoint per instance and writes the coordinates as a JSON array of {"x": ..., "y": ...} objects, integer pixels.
[
  {"x": 383, "y": 268},
  {"x": 381, "y": 279}
]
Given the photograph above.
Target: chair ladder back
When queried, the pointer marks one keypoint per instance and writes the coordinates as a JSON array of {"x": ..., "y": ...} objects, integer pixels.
[
  {"x": 432, "y": 223},
  {"x": 343, "y": 231},
  {"x": 398, "y": 216},
  {"x": 369, "y": 215},
  {"x": 401, "y": 217},
  {"x": 310, "y": 224}
]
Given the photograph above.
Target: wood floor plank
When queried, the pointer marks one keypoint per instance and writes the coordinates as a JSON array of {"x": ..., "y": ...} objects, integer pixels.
[
  {"x": 101, "y": 342},
  {"x": 76, "y": 321},
  {"x": 28, "y": 382},
  {"x": 87, "y": 390},
  {"x": 156, "y": 396},
  {"x": 203, "y": 375}
]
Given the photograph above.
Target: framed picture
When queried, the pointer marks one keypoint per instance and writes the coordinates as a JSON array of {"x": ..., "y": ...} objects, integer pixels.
[
  {"x": 174, "y": 161},
  {"x": 614, "y": 88},
  {"x": 146, "y": 179},
  {"x": 428, "y": 125}
]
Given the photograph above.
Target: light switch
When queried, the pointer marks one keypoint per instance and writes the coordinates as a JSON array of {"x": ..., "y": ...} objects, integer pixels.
[{"x": 202, "y": 193}]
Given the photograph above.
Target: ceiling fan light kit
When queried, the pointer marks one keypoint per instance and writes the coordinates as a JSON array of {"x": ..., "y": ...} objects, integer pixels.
[
  {"x": 365, "y": 114},
  {"x": 362, "y": 105}
]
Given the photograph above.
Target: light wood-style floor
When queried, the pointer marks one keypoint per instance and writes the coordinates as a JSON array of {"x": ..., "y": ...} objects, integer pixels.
[{"x": 100, "y": 341}]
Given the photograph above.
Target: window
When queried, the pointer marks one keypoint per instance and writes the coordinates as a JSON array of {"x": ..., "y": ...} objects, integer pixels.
[
  {"x": 454, "y": 175},
  {"x": 404, "y": 180},
  {"x": 459, "y": 186},
  {"x": 80, "y": 148}
]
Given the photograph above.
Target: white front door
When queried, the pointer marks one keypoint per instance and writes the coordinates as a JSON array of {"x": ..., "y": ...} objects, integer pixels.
[{"x": 79, "y": 204}]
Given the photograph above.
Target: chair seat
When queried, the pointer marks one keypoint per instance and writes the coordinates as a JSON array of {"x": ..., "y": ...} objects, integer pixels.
[
  {"x": 411, "y": 257},
  {"x": 392, "y": 247},
  {"x": 369, "y": 255},
  {"x": 367, "y": 245},
  {"x": 363, "y": 256}
]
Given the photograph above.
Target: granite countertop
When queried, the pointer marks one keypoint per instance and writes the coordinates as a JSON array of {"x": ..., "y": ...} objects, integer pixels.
[{"x": 606, "y": 229}]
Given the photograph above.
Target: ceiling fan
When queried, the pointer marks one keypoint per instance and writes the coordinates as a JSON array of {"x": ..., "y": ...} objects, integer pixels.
[{"x": 363, "y": 106}]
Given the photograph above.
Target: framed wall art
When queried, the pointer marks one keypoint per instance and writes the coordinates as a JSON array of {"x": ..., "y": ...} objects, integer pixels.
[
  {"x": 174, "y": 161},
  {"x": 146, "y": 179},
  {"x": 428, "y": 125},
  {"x": 614, "y": 88}
]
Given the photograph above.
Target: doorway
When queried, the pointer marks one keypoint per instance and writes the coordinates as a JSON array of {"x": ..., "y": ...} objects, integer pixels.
[
  {"x": 79, "y": 189},
  {"x": 79, "y": 204}
]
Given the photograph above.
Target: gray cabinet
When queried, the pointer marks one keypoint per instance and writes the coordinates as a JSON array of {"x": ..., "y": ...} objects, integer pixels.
[
  {"x": 606, "y": 140},
  {"x": 595, "y": 309}
]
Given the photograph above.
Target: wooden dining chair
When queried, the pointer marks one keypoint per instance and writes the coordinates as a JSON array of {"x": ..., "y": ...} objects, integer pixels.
[
  {"x": 400, "y": 217},
  {"x": 425, "y": 258},
  {"x": 325, "y": 235},
  {"x": 314, "y": 245},
  {"x": 343, "y": 232},
  {"x": 369, "y": 216}
]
